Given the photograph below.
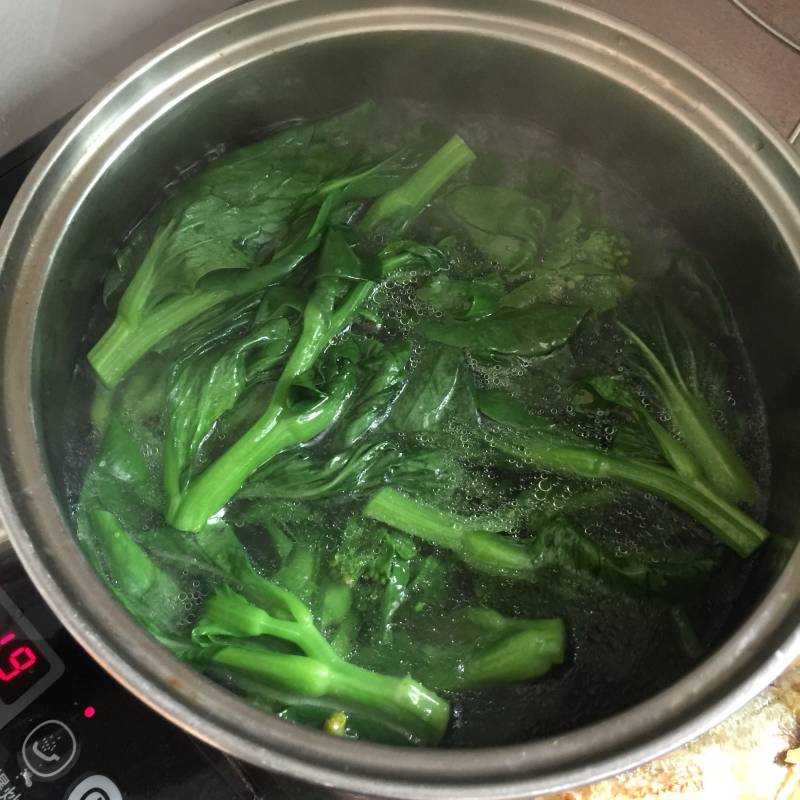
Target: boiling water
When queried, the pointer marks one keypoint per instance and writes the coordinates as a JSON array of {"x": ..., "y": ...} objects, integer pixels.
[{"x": 621, "y": 647}]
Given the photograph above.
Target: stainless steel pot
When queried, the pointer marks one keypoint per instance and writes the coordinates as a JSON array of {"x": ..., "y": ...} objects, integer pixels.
[{"x": 710, "y": 163}]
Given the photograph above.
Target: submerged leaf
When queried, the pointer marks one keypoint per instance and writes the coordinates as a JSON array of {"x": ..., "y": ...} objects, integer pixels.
[
  {"x": 203, "y": 386},
  {"x": 433, "y": 394},
  {"x": 462, "y": 299},
  {"x": 505, "y": 225},
  {"x": 533, "y": 331}
]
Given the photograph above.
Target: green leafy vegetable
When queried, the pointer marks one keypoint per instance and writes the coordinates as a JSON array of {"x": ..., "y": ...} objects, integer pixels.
[
  {"x": 484, "y": 550},
  {"x": 408, "y": 199},
  {"x": 721, "y": 464},
  {"x": 534, "y": 331},
  {"x": 541, "y": 444},
  {"x": 236, "y": 215},
  {"x": 590, "y": 274},
  {"x": 230, "y": 627},
  {"x": 506, "y": 226},
  {"x": 373, "y": 405},
  {"x": 203, "y": 386},
  {"x": 331, "y": 307},
  {"x": 377, "y": 564},
  {"x": 432, "y": 393},
  {"x": 132, "y": 335},
  {"x": 462, "y": 299},
  {"x": 386, "y": 382},
  {"x": 290, "y": 424},
  {"x": 147, "y": 592},
  {"x": 491, "y": 650},
  {"x": 555, "y": 545}
]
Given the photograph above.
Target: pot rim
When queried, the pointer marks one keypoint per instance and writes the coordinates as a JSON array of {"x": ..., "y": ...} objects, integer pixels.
[{"x": 762, "y": 647}]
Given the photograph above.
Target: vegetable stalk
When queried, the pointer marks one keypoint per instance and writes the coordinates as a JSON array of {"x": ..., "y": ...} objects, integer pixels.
[
  {"x": 278, "y": 429},
  {"x": 318, "y": 673},
  {"x": 556, "y": 545},
  {"x": 408, "y": 198},
  {"x": 129, "y": 337},
  {"x": 330, "y": 309},
  {"x": 486, "y": 551},
  {"x": 694, "y": 495},
  {"x": 722, "y": 466}
]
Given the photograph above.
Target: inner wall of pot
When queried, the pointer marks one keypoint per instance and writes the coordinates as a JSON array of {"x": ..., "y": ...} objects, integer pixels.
[{"x": 659, "y": 158}]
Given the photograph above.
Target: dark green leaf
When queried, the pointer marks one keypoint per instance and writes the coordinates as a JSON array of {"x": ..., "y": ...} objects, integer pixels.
[
  {"x": 505, "y": 225},
  {"x": 462, "y": 299},
  {"x": 558, "y": 546},
  {"x": 203, "y": 386},
  {"x": 149, "y": 593},
  {"x": 433, "y": 394},
  {"x": 599, "y": 292},
  {"x": 120, "y": 479},
  {"x": 533, "y": 331},
  {"x": 233, "y": 213},
  {"x": 388, "y": 372}
]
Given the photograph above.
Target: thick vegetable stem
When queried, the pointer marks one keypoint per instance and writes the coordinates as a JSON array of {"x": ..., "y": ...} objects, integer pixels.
[
  {"x": 722, "y": 466},
  {"x": 529, "y": 650},
  {"x": 127, "y": 340},
  {"x": 319, "y": 673},
  {"x": 278, "y": 429},
  {"x": 484, "y": 550},
  {"x": 695, "y": 496},
  {"x": 326, "y": 315},
  {"x": 408, "y": 198},
  {"x": 556, "y": 545}
]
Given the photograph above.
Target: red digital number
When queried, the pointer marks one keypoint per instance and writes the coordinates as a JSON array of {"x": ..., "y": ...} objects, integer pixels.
[{"x": 19, "y": 660}]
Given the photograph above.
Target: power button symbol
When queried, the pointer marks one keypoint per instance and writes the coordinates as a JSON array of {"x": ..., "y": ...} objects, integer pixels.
[{"x": 95, "y": 787}]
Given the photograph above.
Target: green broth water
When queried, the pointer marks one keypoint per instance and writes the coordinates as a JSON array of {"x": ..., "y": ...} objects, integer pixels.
[{"x": 427, "y": 441}]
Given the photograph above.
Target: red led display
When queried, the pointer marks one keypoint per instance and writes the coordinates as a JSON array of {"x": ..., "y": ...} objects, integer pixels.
[
  {"x": 19, "y": 659},
  {"x": 28, "y": 664},
  {"x": 21, "y": 665}
]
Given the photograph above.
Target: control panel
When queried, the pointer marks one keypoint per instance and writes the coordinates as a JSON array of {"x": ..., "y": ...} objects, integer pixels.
[
  {"x": 69, "y": 732},
  {"x": 28, "y": 665}
]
